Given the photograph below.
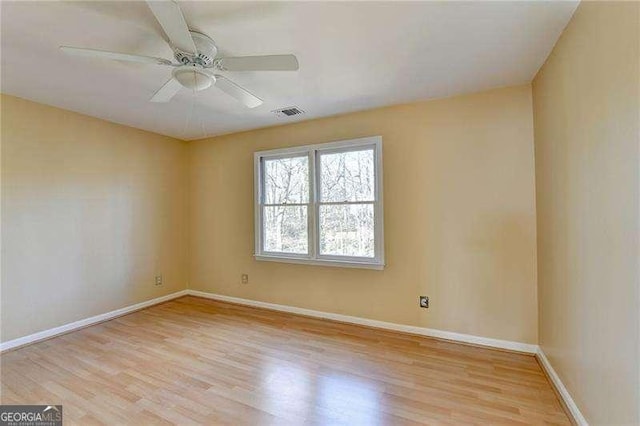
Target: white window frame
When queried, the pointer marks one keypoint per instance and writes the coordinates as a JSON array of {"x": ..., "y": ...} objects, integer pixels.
[{"x": 313, "y": 207}]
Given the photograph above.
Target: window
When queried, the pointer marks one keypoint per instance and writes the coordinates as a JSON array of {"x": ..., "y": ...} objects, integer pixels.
[{"x": 321, "y": 204}]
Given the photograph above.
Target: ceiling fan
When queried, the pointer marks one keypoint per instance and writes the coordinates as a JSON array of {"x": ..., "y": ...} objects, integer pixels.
[{"x": 197, "y": 64}]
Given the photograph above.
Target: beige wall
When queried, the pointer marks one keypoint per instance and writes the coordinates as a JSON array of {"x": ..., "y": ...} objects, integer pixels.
[
  {"x": 459, "y": 217},
  {"x": 91, "y": 212},
  {"x": 586, "y": 106}
]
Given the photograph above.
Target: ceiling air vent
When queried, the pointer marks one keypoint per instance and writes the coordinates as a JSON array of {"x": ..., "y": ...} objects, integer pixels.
[{"x": 288, "y": 112}]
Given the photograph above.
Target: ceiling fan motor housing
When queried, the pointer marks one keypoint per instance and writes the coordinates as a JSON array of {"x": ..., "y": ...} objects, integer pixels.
[{"x": 206, "y": 51}]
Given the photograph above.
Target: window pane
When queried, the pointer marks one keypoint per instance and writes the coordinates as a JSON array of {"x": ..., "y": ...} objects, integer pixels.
[
  {"x": 286, "y": 180},
  {"x": 347, "y": 176},
  {"x": 285, "y": 229},
  {"x": 347, "y": 230}
]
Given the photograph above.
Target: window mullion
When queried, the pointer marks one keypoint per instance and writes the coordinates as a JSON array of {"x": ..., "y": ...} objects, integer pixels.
[
  {"x": 311, "y": 210},
  {"x": 316, "y": 202}
]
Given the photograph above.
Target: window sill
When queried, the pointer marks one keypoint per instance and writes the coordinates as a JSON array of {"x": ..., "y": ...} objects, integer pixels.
[{"x": 318, "y": 262}]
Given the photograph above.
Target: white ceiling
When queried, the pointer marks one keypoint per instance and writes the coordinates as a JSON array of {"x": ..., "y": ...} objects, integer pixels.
[{"x": 353, "y": 56}]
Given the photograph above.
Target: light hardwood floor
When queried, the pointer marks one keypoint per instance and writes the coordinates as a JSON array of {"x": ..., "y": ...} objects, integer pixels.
[{"x": 193, "y": 360}]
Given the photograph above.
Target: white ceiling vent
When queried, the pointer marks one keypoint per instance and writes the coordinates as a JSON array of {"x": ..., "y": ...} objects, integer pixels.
[{"x": 288, "y": 111}]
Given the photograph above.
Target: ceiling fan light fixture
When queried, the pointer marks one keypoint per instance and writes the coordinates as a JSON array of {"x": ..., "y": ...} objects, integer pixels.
[{"x": 193, "y": 78}]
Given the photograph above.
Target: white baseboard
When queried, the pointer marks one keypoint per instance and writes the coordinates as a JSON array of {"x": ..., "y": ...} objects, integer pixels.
[
  {"x": 564, "y": 393},
  {"x": 46, "y": 334},
  {"x": 422, "y": 331}
]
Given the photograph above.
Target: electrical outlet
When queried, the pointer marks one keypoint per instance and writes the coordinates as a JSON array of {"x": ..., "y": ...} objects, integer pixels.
[
  {"x": 424, "y": 302},
  {"x": 158, "y": 279},
  {"x": 244, "y": 278}
]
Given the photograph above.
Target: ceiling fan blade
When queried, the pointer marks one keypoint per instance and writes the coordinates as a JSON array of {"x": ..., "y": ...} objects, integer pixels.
[
  {"x": 170, "y": 17},
  {"x": 232, "y": 89},
  {"x": 260, "y": 63},
  {"x": 167, "y": 91},
  {"x": 104, "y": 54}
]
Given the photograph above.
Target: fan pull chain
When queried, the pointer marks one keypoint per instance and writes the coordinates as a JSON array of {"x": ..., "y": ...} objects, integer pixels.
[
  {"x": 191, "y": 107},
  {"x": 202, "y": 127},
  {"x": 186, "y": 125},
  {"x": 195, "y": 111}
]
